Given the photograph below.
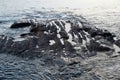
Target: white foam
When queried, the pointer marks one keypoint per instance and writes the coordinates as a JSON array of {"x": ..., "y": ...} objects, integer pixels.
[
  {"x": 61, "y": 40},
  {"x": 45, "y": 32},
  {"x": 43, "y": 51},
  {"x": 19, "y": 39},
  {"x": 84, "y": 42},
  {"x": 58, "y": 35},
  {"x": 77, "y": 48},
  {"x": 37, "y": 46},
  {"x": 52, "y": 42},
  {"x": 50, "y": 23},
  {"x": 8, "y": 38},
  {"x": 67, "y": 27},
  {"x": 70, "y": 39},
  {"x": 115, "y": 38},
  {"x": 88, "y": 39},
  {"x": 80, "y": 25},
  {"x": 65, "y": 59},
  {"x": 62, "y": 25},
  {"x": 3, "y": 37},
  {"x": 117, "y": 49},
  {"x": 58, "y": 28},
  {"x": 86, "y": 32}
]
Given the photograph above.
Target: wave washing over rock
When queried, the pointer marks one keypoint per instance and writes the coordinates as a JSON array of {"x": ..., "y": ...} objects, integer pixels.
[{"x": 66, "y": 48}]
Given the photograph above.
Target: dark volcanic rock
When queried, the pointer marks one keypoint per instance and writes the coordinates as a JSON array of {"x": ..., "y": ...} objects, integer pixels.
[
  {"x": 58, "y": 35},
  {"x": 37, "y": 27},
  {"x": 21, "y": 24},
  {"x": 5, "y": 43},
  {"x": 26, "y": 35},
  {"x": 27, "y": 45},
  {"x": 63, "y": 51},
  {"x": 103, "y": 33},
  {"x": 43, "y": 40},
  {"x": 18, "y": 46},
  {"x": 117, "y": 42},
  {"x": 94, "y": 45},
  {"x": 68, "y": 46},
  {"x": 2, "y": 41}
]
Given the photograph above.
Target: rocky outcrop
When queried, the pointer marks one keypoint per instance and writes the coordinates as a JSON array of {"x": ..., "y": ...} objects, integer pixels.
[
  {"x": 67, "y": 49},
  {"x": 59, "y": 35}
]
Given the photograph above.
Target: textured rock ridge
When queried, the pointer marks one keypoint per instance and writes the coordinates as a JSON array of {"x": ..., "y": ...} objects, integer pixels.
[{"x": 71, "y": 35}]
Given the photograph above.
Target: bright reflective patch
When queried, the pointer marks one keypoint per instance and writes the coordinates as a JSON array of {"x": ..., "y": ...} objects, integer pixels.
[
  {"x": 37, "y": 46},
  {"x": 61, "y": 40},
  {"x": 117, "y": 49},
  {"x": 19, "y": 39},
  {"x": 52, "y": 42},
  {"x": 67, "y": 27}
]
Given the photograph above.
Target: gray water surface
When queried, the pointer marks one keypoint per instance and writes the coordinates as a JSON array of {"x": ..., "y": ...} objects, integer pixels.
[{"x": 101, "y": 13}]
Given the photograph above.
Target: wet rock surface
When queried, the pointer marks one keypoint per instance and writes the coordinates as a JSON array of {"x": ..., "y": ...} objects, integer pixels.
[
  {"x": 59, "y": 34},
  {"x": 21, "y": 23},
  {"x": 59, "y": 49}
]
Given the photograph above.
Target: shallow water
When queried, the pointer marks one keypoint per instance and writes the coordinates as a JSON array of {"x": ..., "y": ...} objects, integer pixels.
[{"x": 101, "y": 13}]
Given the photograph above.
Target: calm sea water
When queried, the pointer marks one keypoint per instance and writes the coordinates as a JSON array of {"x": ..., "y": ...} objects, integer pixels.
[{"x": 101, "y": 13}]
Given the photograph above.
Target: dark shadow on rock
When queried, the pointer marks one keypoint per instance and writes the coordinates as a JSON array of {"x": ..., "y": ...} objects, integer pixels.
[{"x": 20, "y": 25}]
